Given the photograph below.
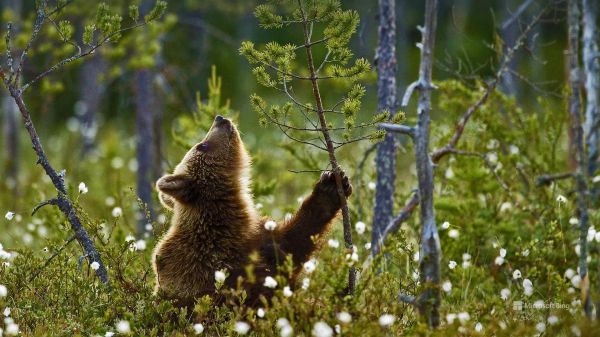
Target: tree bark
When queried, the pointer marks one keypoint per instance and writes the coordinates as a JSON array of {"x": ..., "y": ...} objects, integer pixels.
[
  {"x": 430, "y": 250},
  {"x": 592, "y": 88},
  {"x": 145, "y": 149},
  {"x": 385, "y": 161},
  {"x": 89, "y": 104},
  {"x": 574, "y": 109}
]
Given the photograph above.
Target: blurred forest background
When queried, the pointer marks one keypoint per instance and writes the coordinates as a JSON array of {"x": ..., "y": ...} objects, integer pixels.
[{"x": 117, "y": 120}]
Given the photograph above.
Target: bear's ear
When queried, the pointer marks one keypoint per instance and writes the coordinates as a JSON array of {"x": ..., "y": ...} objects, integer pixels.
[{"x": 179, "y": 186}]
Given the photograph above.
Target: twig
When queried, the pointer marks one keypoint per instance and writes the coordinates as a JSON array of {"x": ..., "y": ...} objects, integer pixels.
[
  {"x": 516, "y": 14},
  {"x": 55, "y": 254},
  {"x": 546, "y": 179},
  {"x": 53, "y": 201},
  {"x": 403, "y": 129}
]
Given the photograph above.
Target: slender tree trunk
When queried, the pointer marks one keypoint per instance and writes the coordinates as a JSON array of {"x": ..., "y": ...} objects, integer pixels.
[
  {"x": 578, "y": 143},
  {"x": 11, "y": 121},
  {"x": 145, "y": 150},
  {"x": 430, "y": 251},
  {"x": 592, "y": 88},
  {"x": 89, "y": 104},
  {"x": 386, "y": 92}
]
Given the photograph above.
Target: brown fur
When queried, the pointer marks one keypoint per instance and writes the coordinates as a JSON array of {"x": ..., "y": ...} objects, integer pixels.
[{"x": 215, "y": 225}]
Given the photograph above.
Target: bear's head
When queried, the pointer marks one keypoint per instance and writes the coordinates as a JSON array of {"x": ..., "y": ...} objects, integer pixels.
[{"x": 216, "y": 164}]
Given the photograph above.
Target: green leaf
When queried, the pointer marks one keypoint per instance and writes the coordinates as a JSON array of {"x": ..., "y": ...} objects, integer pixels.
[{"x": 157, "y": 11}]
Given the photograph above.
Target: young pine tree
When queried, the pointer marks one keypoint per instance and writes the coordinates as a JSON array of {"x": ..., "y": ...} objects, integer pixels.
[{"x": 299, "y": 69}]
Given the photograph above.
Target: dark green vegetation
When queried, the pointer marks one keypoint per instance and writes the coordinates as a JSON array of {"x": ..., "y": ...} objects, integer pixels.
[{"x": 498, "y": 228}]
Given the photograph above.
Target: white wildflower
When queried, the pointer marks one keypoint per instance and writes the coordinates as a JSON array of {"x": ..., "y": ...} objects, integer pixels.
[
  {"x": 450, "y": 318},
  {"x": 527, "y": 283},
  {"x": 83, "y": 189},
  {"x": 310, "y": 266},
  {"x": 333, "y": 243},
  {"x": 258, "y": 205},
  {"x": 445, "y": 225},
  {"x": 386, "y": 320},
  {"x": 367, "y": 245},
  {"x": 360, "y": 227},
  {"x": 416, "y": 256},
  {"x": 492, "y": 157},
  {"x": 12, "y": 329},
  {"x": 322, "y": 329},
  {"x": 241, "y": 327},
  {"x": 561, "y": 199},
  {"x": 109, "y": 201},
  {"x": 575, "y": 330},
  {"x": 597, "y": 237},
  {"x": 528, "y": 291},
  {"x": 260, "y": 312},
  {"x": 504, "y": 293},
  {"x": 9, "y": 215},
  {"x": 502, "y": 252},
  {"x": 371, "y": 185},
  {"x": 95, "y": 265},
  {"x": 270, "y": 225},
  {"x": 525, "y": 252},
  {"x": 3, "y": 290},
  {"x": 574, "y": 221},
  {"x": 140, "y": 245},
  {"x": 220, "y": 276},
  {"x": 287, "y": 292},
  {"x": 123, "y": 327},
  {"x": 198, "y": 328},
  {"x": 569, "y": 273},
  {"x": 344, "y": 317},
  {"x": 117, "y": 212},
  {"x": 6, "y": 312},
  {"x": 577, "y": 249},
  {"x": 449, "y": 174},
  {"x": 506, "y": 206},
  {"x": 452, "y": 264},
  {"x": 516, "y": 274},
  {"x": 447, "y": 286},
  {"x": 270, "y": 282},
  {"x": 552, "y": 319},
  {"x": 540, "y": 327},
  {"x": 463, "y": 317},
  {"x": 453, "y": 233},
  {"x": 478, "y": 327},
  {"x": 305, "y": 283},
  {"x": 109, "y": 334},
  {"x": 499, "y": 260},
  {"x": 576, "y": 281},
  {"x": 513, "y": 149},
  {"x": 286, "y": 331},
  {"x": 492, "y": 144}
]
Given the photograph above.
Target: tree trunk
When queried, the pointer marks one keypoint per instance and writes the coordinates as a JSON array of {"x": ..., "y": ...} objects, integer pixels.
[
  {"x": 430, "y": 251},
  {"x": 592, "y": 86},
  {"x": 89, "y": 104},
  {"x": 145, "y": 150},
  {"x": 386, "y": 92},
  {"x": 578, "y": 144}
]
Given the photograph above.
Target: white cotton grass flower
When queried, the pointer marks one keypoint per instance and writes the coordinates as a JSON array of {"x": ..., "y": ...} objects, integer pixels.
[
  {"x": 344, "y": 317},
  {"x": 6, "y": 312},
  {"x": 453, "y": 233},
  {"x": 505, "y": 207},
  {"x": 270, "y": 225},
  {"x": 333, "y": 243},
  {"x": 504, "y": 293},
  {"x": 499, "y": 260},
  {"x": 516, "y": 274},
  {"x": 367, "y": 245},
  {"x": 140, "y": 245},
  {"x": 3, "y": 290},
  {"x": 83, "y": 189},
  {"x": 574, "y": 221},
  {"x": 447, "y": 286},
  {"x": 492, "y": 157},
  {"x": 445, "y": 225},
  {"x": 109, "y": 334},
  {"x": 463, "y": 317},
  {"x": 540, "y": 327},
  {"x": 576, "y": 281},
  {"x": 502, "y": 252},
  {"x": 578, "y": 249},
  {"x": 12, "y": 329},
  {"x": 569, "y": 273},
  {"x": 513, "y": 149},
  {"x": 492, "y": 144},
  {"x": 305, "y": 283},
  {"x": 198, "y": 328},
  {"x": 371, "y": 185},
  {"x": 258, "y": 205},
  {"x": 452, "y": 264},
  {"x": 117, "y": 212},
  {"x": 561, "y": 199},
  {"x": 123, "y": 327},
  {"x": 552, "y": 319},
  {"x": 525, "y": 252},
  {"x": 95, "y": 265},
  {"x": 310, "y": 266},
  {"x": 281, "y": 322},
  {"x": 260, "y": 313},
  {"x": 322, "y": 329},
  {"x": 478, "y": 327},
  {"x": 287, "y": 291},
  {"x": 220, "y": 276},
  {"x": 450, "y": 318},
  {"x": 527, "y": 283},
  {"x": 270, "y": 282},
  {"x": 386, "y": 320},
  {"x": 286, "y": 331},
  {"x": 360, "y": 227},
  {"x": 449, "y": 174},
  {"x": 241, "y": 327},
  {"x": 9, "y": 215}
]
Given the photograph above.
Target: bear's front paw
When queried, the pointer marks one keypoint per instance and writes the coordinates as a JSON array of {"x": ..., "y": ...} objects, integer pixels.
[{"x": 327, "y": 184}]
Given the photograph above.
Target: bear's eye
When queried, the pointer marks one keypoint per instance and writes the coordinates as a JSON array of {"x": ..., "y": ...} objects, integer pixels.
[{"x": 202, "y": 147}]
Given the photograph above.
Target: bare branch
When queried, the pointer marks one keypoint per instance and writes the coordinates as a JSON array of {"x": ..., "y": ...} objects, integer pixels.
[
  {"x": 53, "y": 201},
  {"x": 408, "y": 93},
  {"x": 546, "y": 179},
  {"x": 516, "y": 14},
  {"x": 403, "y": 129}
]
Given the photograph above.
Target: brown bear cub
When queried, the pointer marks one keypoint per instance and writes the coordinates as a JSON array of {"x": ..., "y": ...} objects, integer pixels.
[{"x": 215, "y": 225}]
